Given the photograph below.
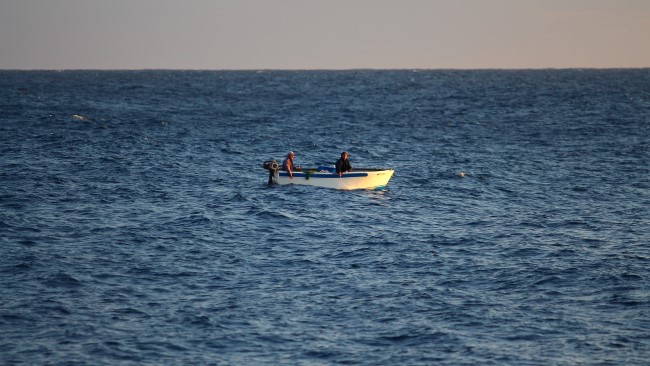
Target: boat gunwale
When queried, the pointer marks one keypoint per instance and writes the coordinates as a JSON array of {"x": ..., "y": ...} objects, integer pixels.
[{"x": 315, "y": 173}]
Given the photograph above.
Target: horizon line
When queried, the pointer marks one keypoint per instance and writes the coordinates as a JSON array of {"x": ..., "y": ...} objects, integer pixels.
[{"x": 415, "y": 69}]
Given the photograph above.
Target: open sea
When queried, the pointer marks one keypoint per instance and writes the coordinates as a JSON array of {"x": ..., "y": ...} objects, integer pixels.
[{"x": 137, "y": 226}]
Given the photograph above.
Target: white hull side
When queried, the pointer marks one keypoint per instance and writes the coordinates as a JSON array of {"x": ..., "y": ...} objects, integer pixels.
[{"x": 351, "y": 180}]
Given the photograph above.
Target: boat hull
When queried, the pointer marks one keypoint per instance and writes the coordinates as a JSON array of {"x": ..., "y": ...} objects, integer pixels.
[{"x": 358, "y": 179}]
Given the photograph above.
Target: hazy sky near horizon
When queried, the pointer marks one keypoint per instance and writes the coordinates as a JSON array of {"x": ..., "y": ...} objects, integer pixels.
[{"x": 323, "y": 34}]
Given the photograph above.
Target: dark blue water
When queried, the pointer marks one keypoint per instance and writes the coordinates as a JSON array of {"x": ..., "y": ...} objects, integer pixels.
[{"x": 136, "y": 225}]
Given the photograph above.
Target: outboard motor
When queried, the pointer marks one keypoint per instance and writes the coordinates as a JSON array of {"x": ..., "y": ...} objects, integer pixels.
[{"x": 273, "y": 167}]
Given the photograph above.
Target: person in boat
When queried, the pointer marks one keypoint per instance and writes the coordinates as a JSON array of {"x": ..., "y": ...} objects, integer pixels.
[
  {"x": 288, "y": 166},
  {"x": 343, "y": 164}
]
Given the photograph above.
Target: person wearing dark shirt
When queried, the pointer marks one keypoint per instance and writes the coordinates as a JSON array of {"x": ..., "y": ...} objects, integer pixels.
[{"x": 343, "y": 164}]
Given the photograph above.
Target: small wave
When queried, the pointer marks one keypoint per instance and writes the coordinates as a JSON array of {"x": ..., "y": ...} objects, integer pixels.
[
  {"x": 28, "y": 243},
  {"x": 129, "y": 311},
  {"x": 272, "y": 214},
  {"x": 188, "y": 221},
  {"x": 240, "y": 197},
  {"x": 23, "y": 266},
  {"x": 63, "y": 279},
  {"x": 80, "y": 117},
  {"x": 580, "y": 189},
  {"x": 200, "y": 320},
  {"x": 140, "y": 270}
]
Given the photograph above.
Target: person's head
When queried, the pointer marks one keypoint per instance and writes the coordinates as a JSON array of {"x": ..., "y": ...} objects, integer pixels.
[
  {"x": 344, "y": 155},
  {"x": 290, "y": 155}
]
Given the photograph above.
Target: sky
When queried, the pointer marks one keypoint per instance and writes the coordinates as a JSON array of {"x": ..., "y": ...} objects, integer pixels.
[{"x": 324, "y": 34}]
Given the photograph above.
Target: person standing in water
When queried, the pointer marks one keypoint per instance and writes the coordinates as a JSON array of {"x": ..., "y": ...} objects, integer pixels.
[
  {"x": 288, "y": 166},
  {"x": 343, "y": 164}
]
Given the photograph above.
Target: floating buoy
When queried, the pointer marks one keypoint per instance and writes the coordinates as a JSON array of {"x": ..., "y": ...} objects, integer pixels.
[{"x": 461, "y": 174}]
